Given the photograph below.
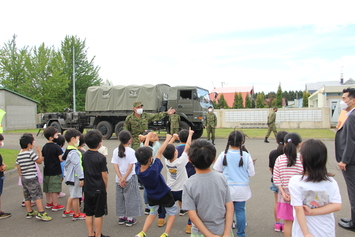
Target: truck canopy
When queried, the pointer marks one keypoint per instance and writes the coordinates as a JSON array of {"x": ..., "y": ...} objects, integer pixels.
[{"x": 106, "y": 98}]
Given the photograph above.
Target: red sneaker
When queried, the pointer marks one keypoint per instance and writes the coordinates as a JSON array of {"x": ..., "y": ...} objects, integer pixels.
[
  {"x": 81, "y": 216},
  {"x": 57, "y": 207},
  {"x": 49, "y": 205},
  {"x": 69, "y": 213}
]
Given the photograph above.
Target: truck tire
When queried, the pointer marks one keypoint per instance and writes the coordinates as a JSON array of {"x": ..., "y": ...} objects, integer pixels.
[
  {"x": 197, "y": 134},
  {"x": 105, "y": 128},
  {"x": 56, "y": 125},
  {"x": 119, "y": 127}
]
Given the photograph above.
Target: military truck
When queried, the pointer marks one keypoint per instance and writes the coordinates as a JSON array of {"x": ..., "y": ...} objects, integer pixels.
[{"x": 108, "y": 106}]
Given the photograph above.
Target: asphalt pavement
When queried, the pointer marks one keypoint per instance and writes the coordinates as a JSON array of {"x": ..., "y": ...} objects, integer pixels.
[{"x": 259, "y": 209}]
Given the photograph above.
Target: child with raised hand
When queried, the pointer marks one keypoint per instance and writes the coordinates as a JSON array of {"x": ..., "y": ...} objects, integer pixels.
[
  {"x": 286, "y": 166},
  {"x": 280, "y": 136},
  {"x": 148, "y": 171},
  {"x": 206, "y": 195},
  {"x": 314, "y": 194},
  {"x": 237, "y": 166},
  {"x": 128, "y": 198}
]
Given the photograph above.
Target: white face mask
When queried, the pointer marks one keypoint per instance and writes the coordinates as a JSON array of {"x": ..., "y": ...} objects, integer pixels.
[
  {"x": 343, "y": 105},
  {"x": 76, "y": 144},
  {"x": 139, "y": 111},
  {"x": 209, "y": 110}
]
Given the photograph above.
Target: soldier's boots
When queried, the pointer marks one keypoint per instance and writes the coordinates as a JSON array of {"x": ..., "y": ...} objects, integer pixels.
[
  {"x": 213, "y": 142},
  {"x": 266, "y": 141}
]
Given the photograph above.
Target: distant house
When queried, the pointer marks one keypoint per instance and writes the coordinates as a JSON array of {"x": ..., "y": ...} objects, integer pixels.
[
  {"x": 21, "y": 111},
  {"x": 228, "y": 93}
]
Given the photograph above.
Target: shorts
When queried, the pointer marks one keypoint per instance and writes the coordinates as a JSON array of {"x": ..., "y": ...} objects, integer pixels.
[
  {"x": 52, "y": 184},
  {"x": 95, "y": 204},
  {"x": 201, "y": 235},
  {"x": 172, "y": 211},
  {"x": 31, "y": 189},
  {"x": 1, "y": 184},
  {"x": 75, "y": 190},
  {"x": 177, "y": 195},
  {"x": 274, "y": 188}
]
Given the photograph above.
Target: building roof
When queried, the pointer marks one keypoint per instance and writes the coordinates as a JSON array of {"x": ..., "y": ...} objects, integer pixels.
[
  {"x": 14, "y": 92},
  {"x": 317, "y": 85}
]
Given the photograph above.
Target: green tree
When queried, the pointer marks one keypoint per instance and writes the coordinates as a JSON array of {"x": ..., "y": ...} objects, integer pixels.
[
  {"x": 86, "y": 73},
  {"x": 238, "y": 101},
  {"x": 278, "y": 101},
  {"x": 222, "y": 102},
  {"x": 253, "y": 105},
  {"x": 12, "y": 65},
  {"x": 248, "y": 101},
  {"x": 306, "y": 95},
  {"x": 260, "y": 100},
  {"x": 215, "y": 104}
]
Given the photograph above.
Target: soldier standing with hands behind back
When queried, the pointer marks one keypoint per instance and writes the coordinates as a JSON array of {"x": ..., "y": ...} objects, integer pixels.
[
  {"x": 174, "y": 120},
  {"x": 271, "y": 123},
  {"x": 138, "y": 121},
  {"x": 210, "y": 124}
]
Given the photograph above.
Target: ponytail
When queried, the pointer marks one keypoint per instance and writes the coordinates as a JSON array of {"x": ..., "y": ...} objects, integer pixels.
[
  {"x": 124, "y": 136},
  {"x": 235, "y": 139},
  {"x": 121, "y": 151},
  {"x": 292, "y": 140}
]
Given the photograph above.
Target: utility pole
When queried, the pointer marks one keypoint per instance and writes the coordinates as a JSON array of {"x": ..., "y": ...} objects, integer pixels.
[{"x": 74, "y": 101}]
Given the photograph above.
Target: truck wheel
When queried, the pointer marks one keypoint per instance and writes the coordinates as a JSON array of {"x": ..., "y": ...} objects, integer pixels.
[
  {"x": 119, "y": 127},
  {"x": 197, "y": 134},
  {"x": 105, "y": 128},
  {"x": 57, "y": 126},
  {"x": 183, "y": 125}
]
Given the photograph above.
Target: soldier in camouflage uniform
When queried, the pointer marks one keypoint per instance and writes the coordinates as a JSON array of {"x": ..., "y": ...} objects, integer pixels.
[
  {"x": 271, "y": 123},
  {"x": 138, "y": 121},
  {"x": 210, "y": 124},
  {"x": 174, "y": 120}
]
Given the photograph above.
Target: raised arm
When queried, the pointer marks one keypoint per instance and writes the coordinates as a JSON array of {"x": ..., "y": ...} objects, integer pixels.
[
  {"x": 189, "y": 139},
  {"x": 162, "y": 148},
  {"x": 175, "y": 136}
]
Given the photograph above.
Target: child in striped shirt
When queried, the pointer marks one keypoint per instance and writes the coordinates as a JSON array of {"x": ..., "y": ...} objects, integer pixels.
[{"x": 286, "y": 166}]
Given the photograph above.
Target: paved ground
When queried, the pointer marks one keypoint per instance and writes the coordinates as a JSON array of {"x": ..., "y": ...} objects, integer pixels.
[{"x": 259, "y": 207}]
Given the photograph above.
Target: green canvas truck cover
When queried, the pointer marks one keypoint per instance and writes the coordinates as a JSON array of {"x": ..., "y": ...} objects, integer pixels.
[{"x": 108, "y": 98}]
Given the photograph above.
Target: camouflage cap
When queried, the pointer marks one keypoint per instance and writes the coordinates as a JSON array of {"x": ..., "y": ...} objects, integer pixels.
[{"x": 137, "y": 104}]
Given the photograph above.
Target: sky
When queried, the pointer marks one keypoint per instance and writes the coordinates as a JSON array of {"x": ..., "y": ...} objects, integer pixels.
[{"x": 202, "y": 43}]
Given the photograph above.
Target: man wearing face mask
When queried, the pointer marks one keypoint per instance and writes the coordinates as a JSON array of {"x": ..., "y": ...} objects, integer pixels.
[
  {"x": 344, "y": 153},
  {"x": 210, "y": 124},
  {"x": 138, "y": 121}
]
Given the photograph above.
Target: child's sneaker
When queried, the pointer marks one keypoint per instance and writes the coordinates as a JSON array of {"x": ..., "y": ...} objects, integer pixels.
[
  {"x": 81, "y": 216},
  {"x": 278, "y": 227},
  {"x": 4, "y": 215},
  {"x": 164, "y": 235},
  {"x": 62, "y": 195},
  {"x": 183, "y": 212},
  {"x": 23, "y": 204},
  {"x": 57, "y": 208},
  {"x": 32, "y": 204},
  {"x": 67, "y": 213},
  {"x": 49, "y": 205},
  {"x": 233, "y": 224},
  {"x": 43, "y": 216},
  {"x": 188, "y": 229},
  {"x": 122, "y": 221},
  {"x": 146, "y": 211},
  {"x": 31, "y": 214},
  {"x": 131, "y": 222},
  {"x": 161, "y": 222},
  {"x": 140, "y": 234}
]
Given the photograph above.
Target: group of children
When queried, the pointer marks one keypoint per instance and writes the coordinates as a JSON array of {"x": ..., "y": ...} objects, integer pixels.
[
  {"x": 89, "y": 167},
  {"x": 306, "y": 195}
]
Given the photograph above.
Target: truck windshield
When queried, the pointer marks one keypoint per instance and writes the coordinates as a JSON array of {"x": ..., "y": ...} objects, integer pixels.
[{"x": 203, "y": 97}]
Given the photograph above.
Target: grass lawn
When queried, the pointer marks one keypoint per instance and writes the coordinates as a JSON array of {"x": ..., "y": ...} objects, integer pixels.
[{"x": 9, "y": 157}]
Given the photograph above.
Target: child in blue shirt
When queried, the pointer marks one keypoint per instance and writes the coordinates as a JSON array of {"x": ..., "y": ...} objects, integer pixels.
[{"x": 148, "y": 171}]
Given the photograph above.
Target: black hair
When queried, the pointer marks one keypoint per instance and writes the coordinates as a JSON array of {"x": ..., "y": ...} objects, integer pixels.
[
  {"x": 143, "y": 154},
  {"x": 81, "y": 140},
  {"x": 292, "y": 140},
  {"x": 1, "y": 137},
  {"x": 61, "y": 140},
  {"x": 280, "y": 138},
  {"x": 146, "y": 133},
  {"x": 351, "y": 92},
  {"x": 235, "y": 139},
  {"x": 124, "y": 136},
  {"x": 71, "y": 132},
  {"x": 25, "y": 140},
  {"x": 202, "y": 154},
  {"x": 183, "y": 135},
  {"x": 49, "y": 132},
  {"x": 93, "y": 138},
  {"x": 169, "y": 152},
  {"x": 314, "y": 160}
]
